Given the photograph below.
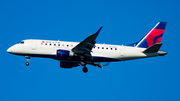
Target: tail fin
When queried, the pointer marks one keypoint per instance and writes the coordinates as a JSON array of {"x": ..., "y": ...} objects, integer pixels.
[{"x": 153, "y": 36}]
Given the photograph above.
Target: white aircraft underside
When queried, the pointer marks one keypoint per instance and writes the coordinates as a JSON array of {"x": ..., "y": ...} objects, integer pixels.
[{"x": 72, "y": 54}]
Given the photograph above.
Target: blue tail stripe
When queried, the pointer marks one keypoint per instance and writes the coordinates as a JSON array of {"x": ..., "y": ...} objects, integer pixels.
[
  {"x": 143, "y": 44},
  {"x": 161, "y": 25}
]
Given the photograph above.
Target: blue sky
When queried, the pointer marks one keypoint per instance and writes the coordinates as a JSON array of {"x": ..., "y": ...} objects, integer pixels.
[{"x": 123, "y": 22}]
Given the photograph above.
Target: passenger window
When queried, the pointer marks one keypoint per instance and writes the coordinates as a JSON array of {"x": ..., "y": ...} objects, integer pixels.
[
  {"x": 54, "y": 44},
  {"x": 58, "y": 44},
  {"x": 102, "y": 47}
]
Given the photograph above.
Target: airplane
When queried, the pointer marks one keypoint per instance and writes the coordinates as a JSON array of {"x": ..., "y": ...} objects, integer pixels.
[{"x": 73, "y": 54}]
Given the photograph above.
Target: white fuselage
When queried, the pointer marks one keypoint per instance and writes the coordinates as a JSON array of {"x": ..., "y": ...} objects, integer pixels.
[
  {"x": 73, "y": 54},
  {"x": 100, "y": 53}
]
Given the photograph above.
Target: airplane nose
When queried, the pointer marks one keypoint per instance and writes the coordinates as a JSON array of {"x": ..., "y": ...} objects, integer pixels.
[{"x": 9, "y": 50}]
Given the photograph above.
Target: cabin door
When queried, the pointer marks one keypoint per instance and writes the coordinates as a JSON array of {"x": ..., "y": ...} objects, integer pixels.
[{"x": 34, "y": 45}]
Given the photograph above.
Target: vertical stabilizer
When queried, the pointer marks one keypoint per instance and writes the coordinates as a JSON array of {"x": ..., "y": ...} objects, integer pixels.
[{"x": 153, "y": 36}]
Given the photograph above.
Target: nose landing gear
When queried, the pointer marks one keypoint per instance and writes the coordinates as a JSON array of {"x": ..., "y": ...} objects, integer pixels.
[
  {"x": 27, "y": 63},
  {"x": 27, "y": 58}
]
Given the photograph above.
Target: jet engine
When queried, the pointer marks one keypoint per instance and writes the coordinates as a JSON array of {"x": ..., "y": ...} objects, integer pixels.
[
  {"x": 64, "y": 53},
  {"x": 66, "y": 64}
]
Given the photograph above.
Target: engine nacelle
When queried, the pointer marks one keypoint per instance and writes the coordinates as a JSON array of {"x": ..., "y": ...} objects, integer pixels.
[
  {"x": 66, "y": 64},
  {"x": 64, "y": 53}
]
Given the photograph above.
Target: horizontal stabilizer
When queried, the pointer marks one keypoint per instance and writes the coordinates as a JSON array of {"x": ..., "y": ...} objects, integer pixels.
[{"x": 154, "y": 48}]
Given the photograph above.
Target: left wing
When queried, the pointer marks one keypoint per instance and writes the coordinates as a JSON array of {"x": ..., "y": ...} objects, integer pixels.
[
  {"x": 85, "y": 47},
  {"x": 96, "y": 64}
]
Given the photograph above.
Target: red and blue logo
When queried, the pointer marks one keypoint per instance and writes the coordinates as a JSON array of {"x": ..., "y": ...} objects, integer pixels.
[{"x": 153, "y": 36}]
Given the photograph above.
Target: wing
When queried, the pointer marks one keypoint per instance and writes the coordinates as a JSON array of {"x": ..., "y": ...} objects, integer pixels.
[
  {"x": 96, "y": 64},
  {"x": 84, "y": 48}
]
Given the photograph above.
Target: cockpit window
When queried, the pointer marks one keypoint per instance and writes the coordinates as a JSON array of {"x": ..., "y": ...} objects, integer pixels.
[{"x": 22, "y": 42}]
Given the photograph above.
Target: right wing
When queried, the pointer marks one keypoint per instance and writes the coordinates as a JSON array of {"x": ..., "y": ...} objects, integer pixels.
[{"x": 85, "y": 47}]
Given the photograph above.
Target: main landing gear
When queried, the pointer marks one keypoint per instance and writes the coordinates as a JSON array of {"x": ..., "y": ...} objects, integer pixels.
[
  {"x": 85, "y": 69},
  {"x": 27, "y": 58}
]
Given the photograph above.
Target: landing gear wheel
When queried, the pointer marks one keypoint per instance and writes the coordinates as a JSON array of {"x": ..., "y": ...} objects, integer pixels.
[
  {"x": 27, "y": 63},
  {"x": 85, "y": 70},
  {"x": 27, "y": 58}
]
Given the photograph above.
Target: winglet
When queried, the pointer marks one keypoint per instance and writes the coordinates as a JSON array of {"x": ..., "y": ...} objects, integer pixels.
[
  {"x": 99, "y": 30},
  {"x": 154, "y": 48}
]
